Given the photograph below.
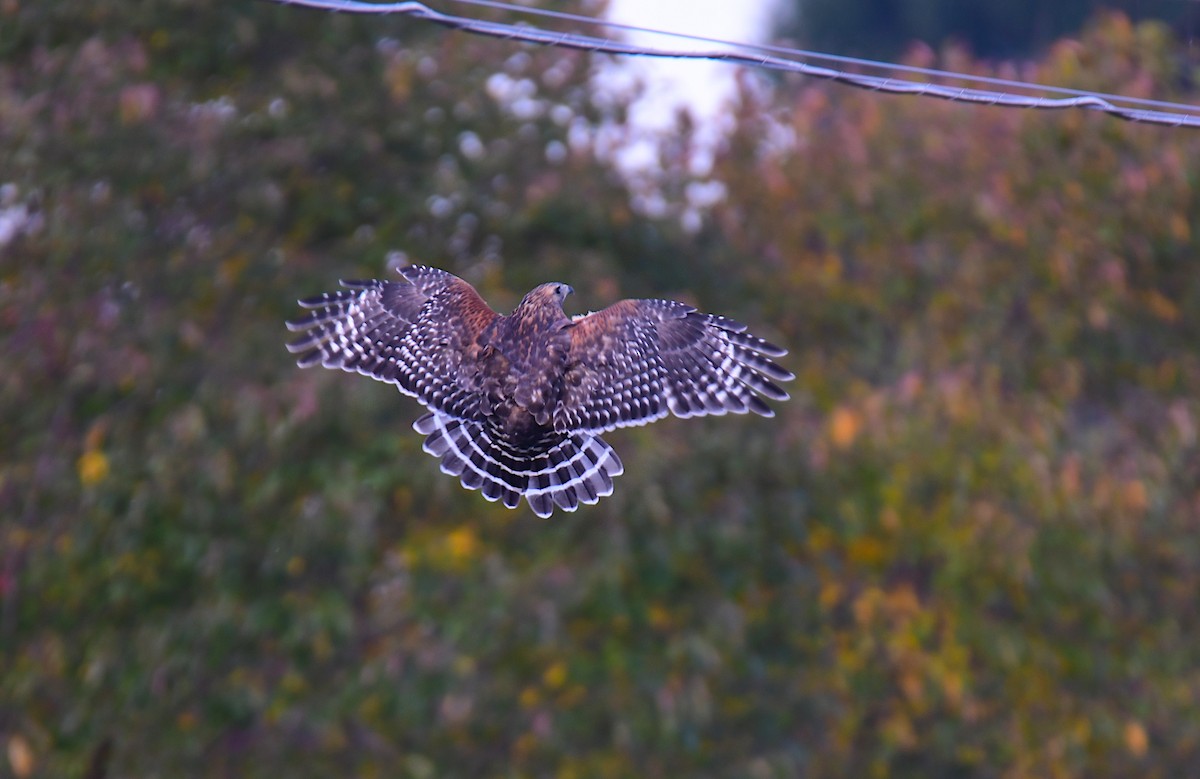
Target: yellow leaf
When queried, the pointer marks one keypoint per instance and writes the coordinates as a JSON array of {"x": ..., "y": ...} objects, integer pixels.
[
  {"x": 1134, "y": 496},
  {"x": 556, "y": 675},
  {"x": 952, "y": 688},
  {"x": 93, "y": 467},
  {"x": 529, "y": 698},
  {"x": 820, "y": 539},
  {"x": 844, "y": 426},
  {"x": 1162, "y": 307},
  {"x": 659, "y": 616},
  {"x": 463, "y": 544},
  {"x": 829, "y": 595},
  {"x": 292, "y": 683},
  {"x": 1180, "y": 230},
  {"x": 229, "y": 271},
  {"x": 898, "y": 730},
  {"x": 95, "y": 435},
  {"x": 865, "y": 605},
  {"x": 20, "y": 756},
  {"x": 866, "y": 551},
  {"x": 903, "y": 601},
  {"x": 1136, "y": 739}
]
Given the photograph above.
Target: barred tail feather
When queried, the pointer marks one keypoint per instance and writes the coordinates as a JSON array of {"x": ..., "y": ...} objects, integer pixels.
[{"x": 575, "y": 469}]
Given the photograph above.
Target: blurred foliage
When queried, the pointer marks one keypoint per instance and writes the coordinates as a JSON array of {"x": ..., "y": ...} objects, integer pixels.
[
  {"x": 990, "y": 28},
  {"x": 968, "y": 547}
]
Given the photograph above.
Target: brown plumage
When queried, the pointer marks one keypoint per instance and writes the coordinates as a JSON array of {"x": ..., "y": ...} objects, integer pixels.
[{"x": 516, "y": 402}]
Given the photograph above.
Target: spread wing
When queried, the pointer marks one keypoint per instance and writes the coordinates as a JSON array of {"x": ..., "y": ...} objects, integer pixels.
[
  {"x": 419, "y": 334},
  {"x": 637, "y": 360}
]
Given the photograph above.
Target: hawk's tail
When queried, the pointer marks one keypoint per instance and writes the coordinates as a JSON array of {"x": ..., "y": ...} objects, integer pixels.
[{"x": 576, "y": 469}]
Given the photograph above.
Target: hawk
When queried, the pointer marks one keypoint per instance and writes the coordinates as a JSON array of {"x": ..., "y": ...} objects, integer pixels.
[{"x": 517, "y": 403}]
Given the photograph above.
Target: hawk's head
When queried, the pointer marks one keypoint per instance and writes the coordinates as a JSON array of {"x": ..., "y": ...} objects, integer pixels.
[
  {"x": 543, "y": 305},
  {"x": 553, "y": 292},
  {"x": 550, "y": 295}
]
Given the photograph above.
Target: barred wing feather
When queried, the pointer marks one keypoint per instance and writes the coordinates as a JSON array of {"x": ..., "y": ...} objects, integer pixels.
[
  {"x": 638, "y": 360},
  {"x": 418, "y": 334}
]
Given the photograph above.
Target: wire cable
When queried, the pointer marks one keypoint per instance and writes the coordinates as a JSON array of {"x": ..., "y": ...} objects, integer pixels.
[
  {"x": 1179, "y": 116},
  {"x": 817, "y": 55}
]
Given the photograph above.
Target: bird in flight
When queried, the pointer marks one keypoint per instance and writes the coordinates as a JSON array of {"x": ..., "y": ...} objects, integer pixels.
[{"x": 517, "y": 403}]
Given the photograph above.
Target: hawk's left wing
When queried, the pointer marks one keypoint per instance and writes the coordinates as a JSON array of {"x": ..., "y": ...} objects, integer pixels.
[
  {"x": 638, "y": 360},
  {"x": 419, "y": 334}
]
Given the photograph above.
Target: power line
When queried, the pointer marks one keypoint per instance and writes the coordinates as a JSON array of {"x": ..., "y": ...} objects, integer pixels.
[
  {"x": 821, "y": 56},
  {"x": 1178, "y": 115}
]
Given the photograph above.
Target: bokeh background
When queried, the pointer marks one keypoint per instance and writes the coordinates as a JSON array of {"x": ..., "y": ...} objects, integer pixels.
[{"x": 968, "y": 547}]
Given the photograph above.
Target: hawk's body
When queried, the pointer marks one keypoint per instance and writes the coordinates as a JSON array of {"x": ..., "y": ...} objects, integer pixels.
[{"x": 517, "y": 402}]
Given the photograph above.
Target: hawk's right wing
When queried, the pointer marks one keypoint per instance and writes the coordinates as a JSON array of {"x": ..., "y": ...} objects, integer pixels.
[
  {"x": 419, "y": 334},
  {"x": 638, "y": 360}
]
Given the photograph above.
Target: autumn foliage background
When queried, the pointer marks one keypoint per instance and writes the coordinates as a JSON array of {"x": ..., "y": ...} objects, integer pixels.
[{"x": 967, "y": 547}]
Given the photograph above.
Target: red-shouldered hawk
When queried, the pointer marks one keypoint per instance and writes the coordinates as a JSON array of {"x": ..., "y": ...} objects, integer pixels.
[{"x": 516, "y": 403}]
